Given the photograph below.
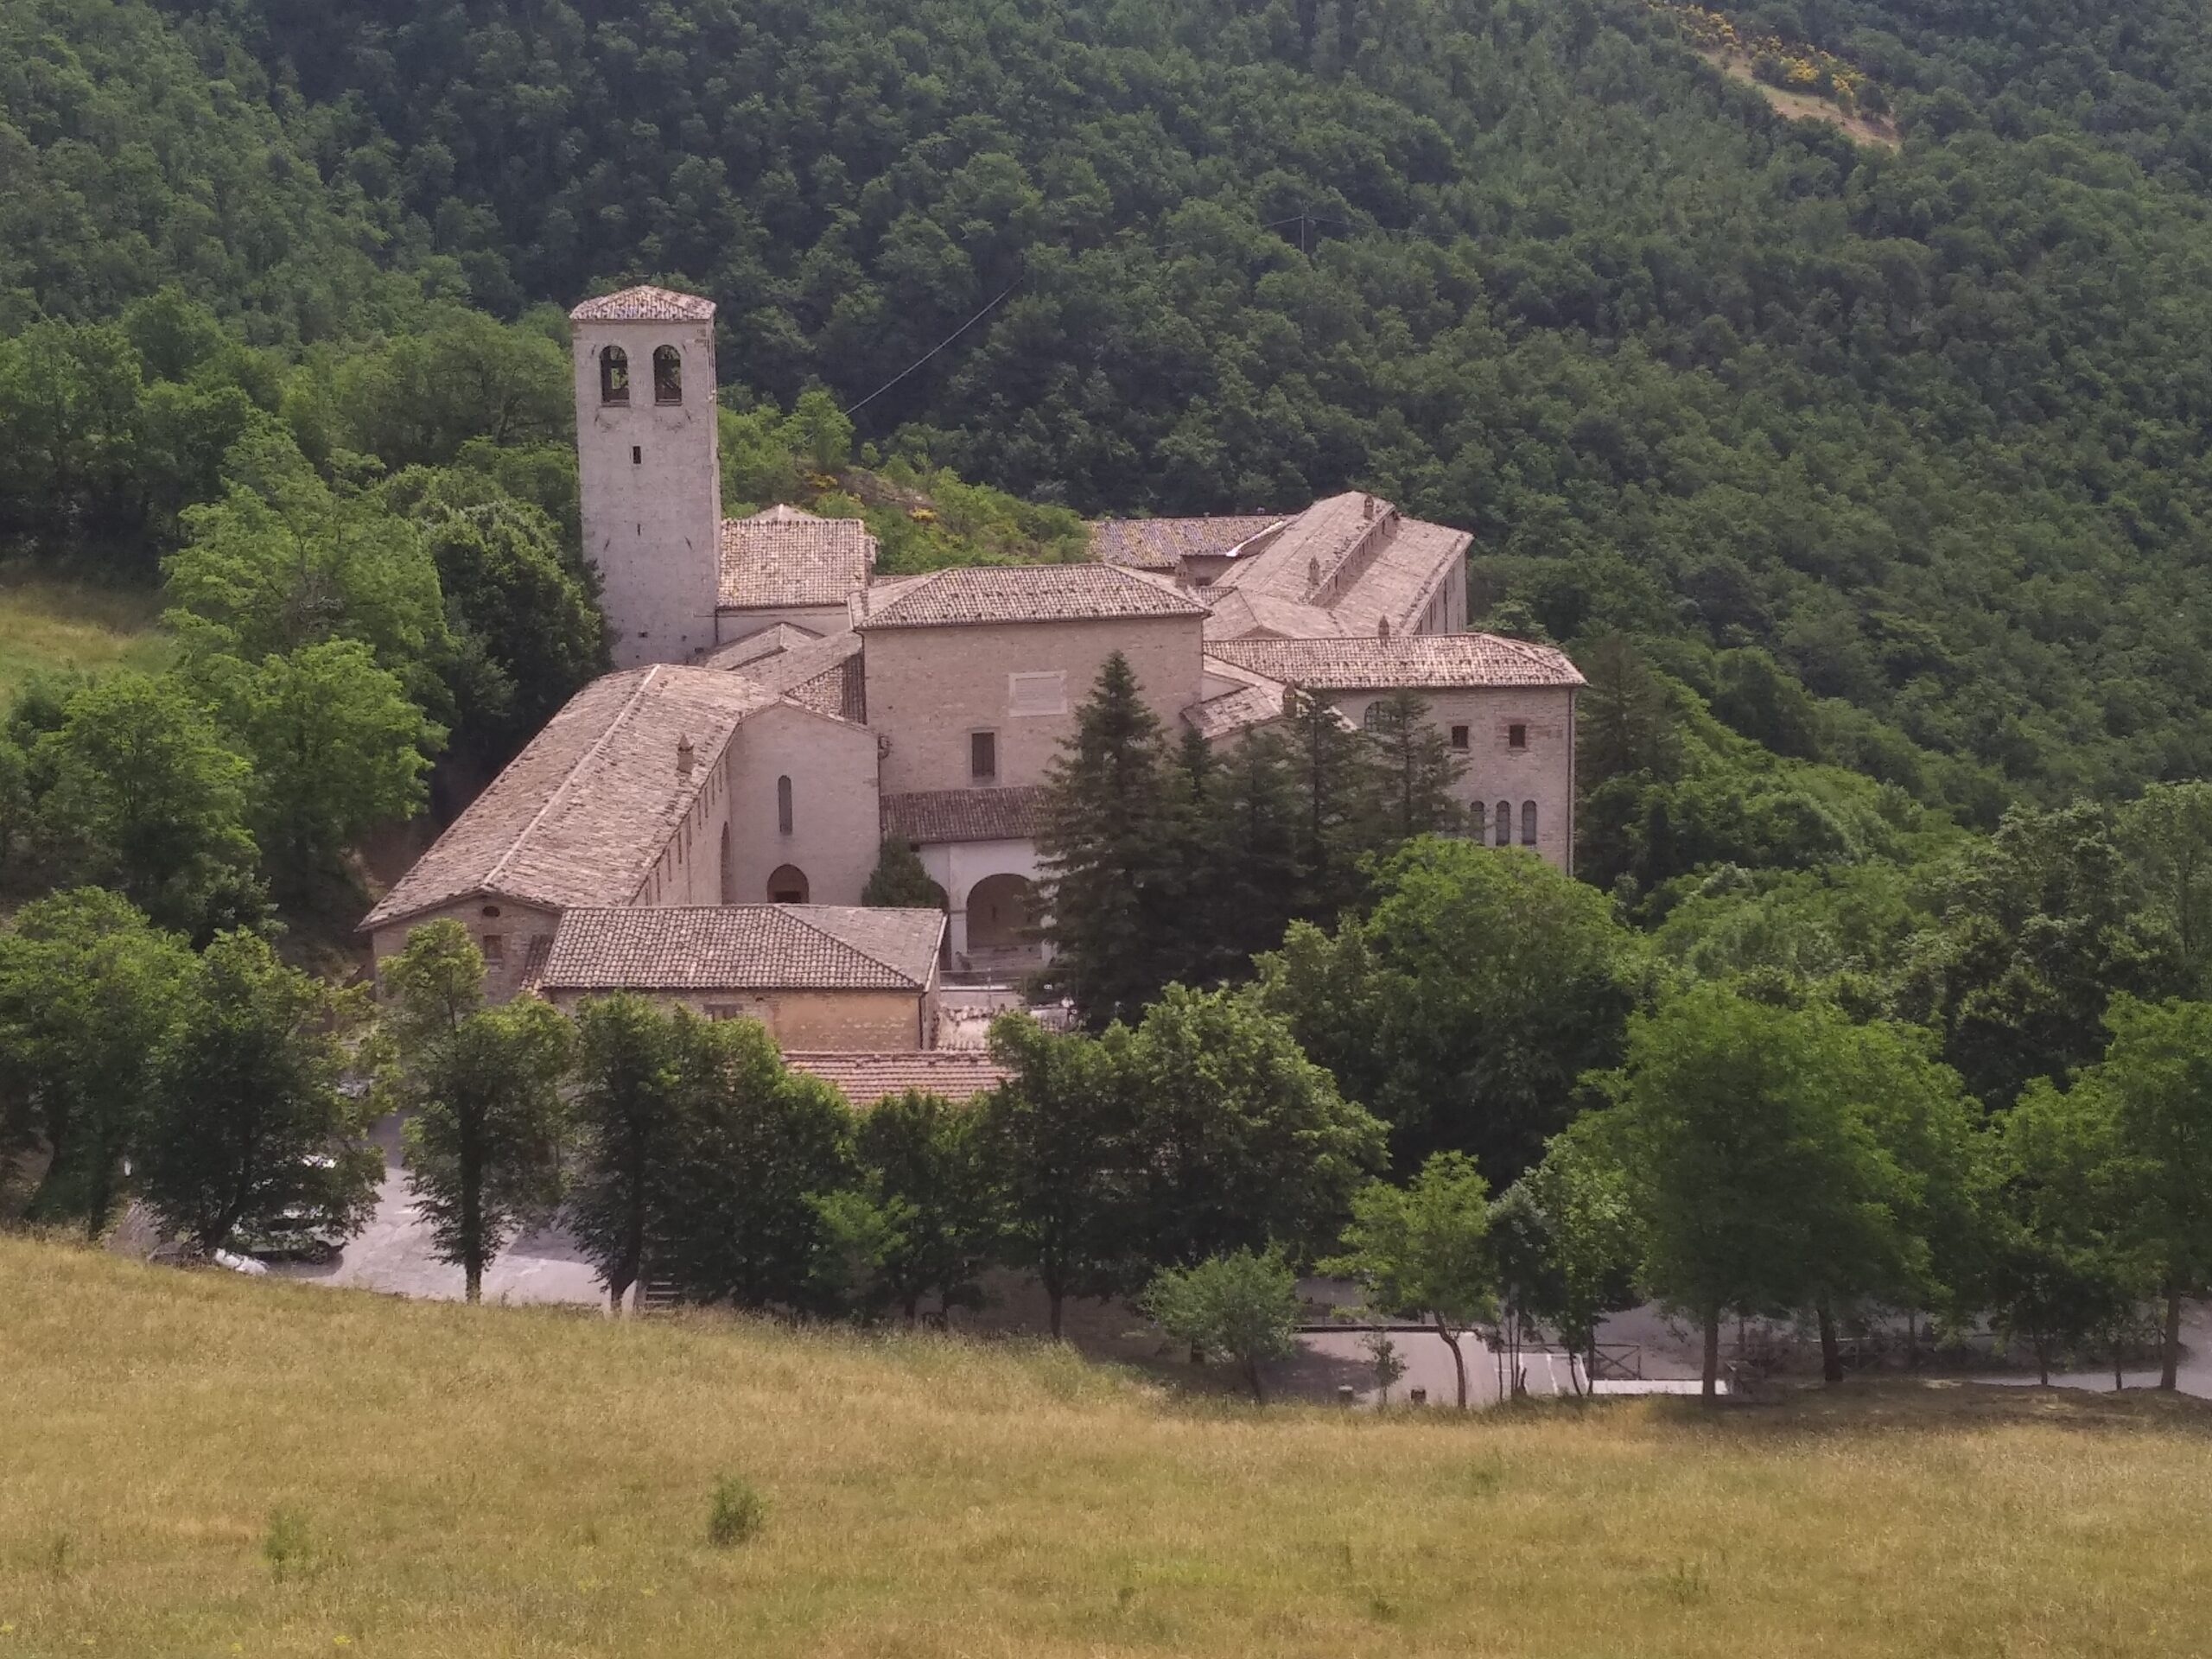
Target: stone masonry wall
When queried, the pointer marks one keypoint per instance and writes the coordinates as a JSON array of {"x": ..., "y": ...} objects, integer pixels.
[
  {"x": 649, "y": 478},
  {"x": 930, "y": 688}
]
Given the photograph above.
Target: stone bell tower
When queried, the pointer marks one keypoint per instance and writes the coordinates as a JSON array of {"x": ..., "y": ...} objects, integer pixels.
[{"x": 649, "y": 469}]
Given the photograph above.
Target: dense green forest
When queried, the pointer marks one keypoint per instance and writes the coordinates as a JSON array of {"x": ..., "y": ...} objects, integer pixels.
[{"x": 1850, "y": 462}]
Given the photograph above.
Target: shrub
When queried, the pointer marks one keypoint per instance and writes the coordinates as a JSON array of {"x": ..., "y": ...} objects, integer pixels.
[{"x": 738, "y": 1511}]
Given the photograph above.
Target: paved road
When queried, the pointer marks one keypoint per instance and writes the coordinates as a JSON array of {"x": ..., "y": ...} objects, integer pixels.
[{"x": 393, "y": 1253}]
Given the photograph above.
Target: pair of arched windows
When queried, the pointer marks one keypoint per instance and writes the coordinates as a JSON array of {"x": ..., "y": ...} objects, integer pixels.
[
  {"x": 614, "y": 375},
  {"x": 1503, "y": 823}
]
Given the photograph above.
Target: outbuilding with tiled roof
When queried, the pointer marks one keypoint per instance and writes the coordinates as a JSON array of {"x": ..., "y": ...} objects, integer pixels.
[{"x": 818, "y": 976}]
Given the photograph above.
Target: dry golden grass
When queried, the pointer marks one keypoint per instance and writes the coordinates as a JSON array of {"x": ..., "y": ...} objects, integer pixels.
[
  {"x": 48, "y": 625},
  {"x": 447, "y": 1481}
]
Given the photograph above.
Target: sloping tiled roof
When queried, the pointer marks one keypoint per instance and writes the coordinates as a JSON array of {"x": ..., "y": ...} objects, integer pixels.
[
  {"x": 1353, "y": 559},
  {"x": 583, "y": 814},
  {"x": 825, "y": 675},
  {"x": 784, "y": 556},
  {"x": 864, "y": 1079},
  {"x": 840, "y": 692},
  {"x": 1421, "y": 661},
  {"x": 1030, "y": 592},
  {"x": 1254, "y": 700},
  {"x": 769, "y": 642},
  {"x": 645, "y": 303},
  {"x": 1237, "y": 613},
  {"x": 743, "y": 947},
  {"x": 1163, "y": 543},
  {"x": 941, "y": 815}
]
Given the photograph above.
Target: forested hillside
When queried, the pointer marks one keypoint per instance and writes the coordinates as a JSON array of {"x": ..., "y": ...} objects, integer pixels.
[{"x": 1927, "y": 425}]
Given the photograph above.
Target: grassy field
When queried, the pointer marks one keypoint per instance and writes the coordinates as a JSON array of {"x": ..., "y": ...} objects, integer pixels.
[
  {"x": 46, "y": 626},
  {"x": 197, "y": 1465}
]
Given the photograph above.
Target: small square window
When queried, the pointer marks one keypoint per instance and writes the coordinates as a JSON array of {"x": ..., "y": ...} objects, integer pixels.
[
  {"x": 982, "y": 755},
  {"x": 1458, "y": 737},
  {"x": 495, "y": 947},
  {"x": 1517, "y": 737}
]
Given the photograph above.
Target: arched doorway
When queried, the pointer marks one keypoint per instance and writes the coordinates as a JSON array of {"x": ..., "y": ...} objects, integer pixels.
[
  {"x": 1000, "y": 909},
  {"x": 787, "y": 885}
]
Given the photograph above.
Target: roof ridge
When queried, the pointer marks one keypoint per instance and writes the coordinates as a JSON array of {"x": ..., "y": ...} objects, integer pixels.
[{"x": 559, "y": 791}]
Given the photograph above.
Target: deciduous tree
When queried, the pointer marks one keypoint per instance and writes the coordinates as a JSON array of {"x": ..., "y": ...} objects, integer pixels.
[
  {"x": 628, "y": 1101},
  {"x": 487, "y": 1128},
  {"x": 249, "y": 1131},
  {"x": 1055, "y": 1132},
  {"x": 144, "y": 795},
  {"x": 1241, "y": 1307},
  {"x": 91, "y": 996},
  {"x": 1422, "y": 1251}
]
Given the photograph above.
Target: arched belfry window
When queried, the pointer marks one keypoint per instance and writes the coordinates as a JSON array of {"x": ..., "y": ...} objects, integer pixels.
[
  {"x": 668, "y": 375},
  {"x": 1527, "y": 824},
  {"x": 1504, "y": 823},
  {"x": 784, "y": 806},
  {"x": 613, "y": 375}
]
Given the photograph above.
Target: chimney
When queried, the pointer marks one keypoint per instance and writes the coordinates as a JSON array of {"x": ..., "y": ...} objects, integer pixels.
[
  {"x": 1382, "y": 629},
  {"x": 686, "y": 756},
  {"x": 1313, "y": 573},
  {"x": 1366, "y": 507}
]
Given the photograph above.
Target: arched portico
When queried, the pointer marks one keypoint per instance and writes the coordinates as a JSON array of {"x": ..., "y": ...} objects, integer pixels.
[{"x": 991, "y": 887}]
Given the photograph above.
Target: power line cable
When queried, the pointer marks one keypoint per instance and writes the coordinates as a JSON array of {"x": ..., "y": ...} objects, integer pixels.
[{"x": 940, "y": 346}]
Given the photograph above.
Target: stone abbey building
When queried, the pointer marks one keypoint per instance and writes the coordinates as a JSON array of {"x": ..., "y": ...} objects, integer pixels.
[{"x": 777, "y": 708}]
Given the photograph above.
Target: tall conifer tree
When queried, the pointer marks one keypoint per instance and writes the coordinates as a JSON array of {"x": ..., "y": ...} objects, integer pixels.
[
  {"x": 1104, "y": 844},
  {"x": 1418, "y": 770}
]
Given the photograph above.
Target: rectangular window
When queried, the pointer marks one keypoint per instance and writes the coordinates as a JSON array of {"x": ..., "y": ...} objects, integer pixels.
[
  {"x": 636, "y": 455},
  {"x": 495, "y": 947},
  {"x": 1517, "y": 737},
  {"x": 1038, "y": 694},
  {"x": 724, "y": 1010},
  {"x": 982, "y": 756},
  {"x": 1458, "y": 737}
]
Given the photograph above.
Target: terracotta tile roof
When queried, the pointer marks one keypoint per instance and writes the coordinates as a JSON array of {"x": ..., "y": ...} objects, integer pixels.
[
  {"x": 1421, "y": 661},
  {"x": 1252, "y": 699},
  {"x": 1163, "y": 543},
  {"x": 840, "y": 692},
  {"x": 743, "y": 947},
  {"x": 1237, "y": 615},
  {"x": 864, "y": 1079},
  {"x": 941, "y": 815},
  {"x": 785, "y": 557},
  {"x": 1353, "y": 558},
  {"x": 972, "y": 595},
  {"x": 825, "y": 675},
  {"x": 1404, "y": 576},
  {"x": 645, "y": 303},
  {"x": 583, "y": 814},
  {"x": 769, "y": 642}
]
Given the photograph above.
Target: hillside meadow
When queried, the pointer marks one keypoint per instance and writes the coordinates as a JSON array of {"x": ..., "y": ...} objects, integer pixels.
[
  {"x": 58, "y": 627},
  {"x": 194, "y": 1464}
]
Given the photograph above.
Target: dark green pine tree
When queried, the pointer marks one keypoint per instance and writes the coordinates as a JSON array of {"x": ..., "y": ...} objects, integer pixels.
[
  {"x": 1103, "y": 843},
  {"x": 1341, "y": 812},
  {"x": 1419, "y": 769},
  {"x": 899, "y": 881},
  {"x": 1251, "y": 879}
]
